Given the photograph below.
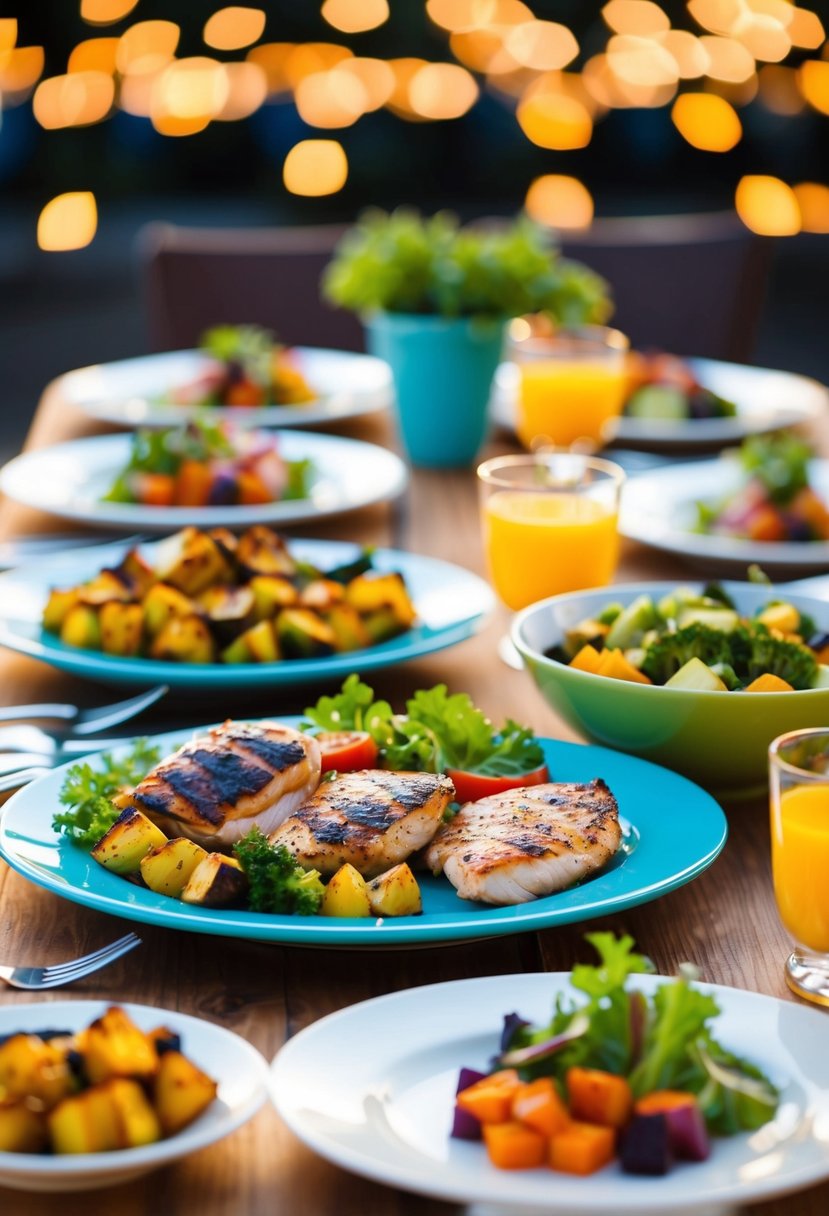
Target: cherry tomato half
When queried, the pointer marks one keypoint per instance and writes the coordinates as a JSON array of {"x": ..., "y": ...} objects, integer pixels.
[
  {"x": 469, "y": 787},
  {"x": 347, "y": 750}
]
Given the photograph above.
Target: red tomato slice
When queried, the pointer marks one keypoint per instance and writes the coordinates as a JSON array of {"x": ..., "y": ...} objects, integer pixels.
[
  {"x": 469, "y": 787},
  {"x": 347, "y": 750}
]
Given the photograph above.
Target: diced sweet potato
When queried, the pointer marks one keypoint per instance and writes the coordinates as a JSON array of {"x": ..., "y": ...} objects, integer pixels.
[
  {"x": 167, "y": 869},
  {"x": 512, "y": 1146},
  {"x": 613, "y": 663},
  {"x": 346, "y": 894},
  {"x": 182, "y": 1092},
  {"x": 599, "y": 1097},
  {"x": 490, "y": 1100},
  {"x": 113, "y": 1046},
  {"x": 370, "y": 592},
  {"x": 538, "y": 1105},
  {"x": 588, "y": 659},
  {"x": 130, "y": 838},
  {"x": 85, "y": 1123},
  {"x": 395, "y": 893},
  {"x": 769, "y": 683},
  {"x": 582, "y": 1148}
]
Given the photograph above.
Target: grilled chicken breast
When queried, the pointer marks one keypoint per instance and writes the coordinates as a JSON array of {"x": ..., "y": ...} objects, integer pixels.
[
  {"x": 217, "y": 787},
  {"x": 372, "y": 819},
  {"x": 522, "y": 844}
]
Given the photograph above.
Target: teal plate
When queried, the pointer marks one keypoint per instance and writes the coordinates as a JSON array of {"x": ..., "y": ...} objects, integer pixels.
[
  {"x": 451, "y": 603},
  {"x": 672, "y": 831}
]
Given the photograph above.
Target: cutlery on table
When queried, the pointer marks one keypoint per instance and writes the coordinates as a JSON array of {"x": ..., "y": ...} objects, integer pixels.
[
  {"x": 37, "y": 978},
  {"x": 14, "y": 553},
  {"x": 84, "y": 721}
]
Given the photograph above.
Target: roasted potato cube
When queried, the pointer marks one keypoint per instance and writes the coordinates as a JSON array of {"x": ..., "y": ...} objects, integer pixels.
[
  {"x": 270, "y": 594},
  {"x": 184, "y": 639},
  {"x": 135, "y": 573},
  {"x": 164, "y": 1039},
  {"x": 395, "y": 893},
  {"x": 227, "y": 542},
  {"x": 113, "y": 1046},
  {"x": 130, "y": 838},
  {"x": 370, "y": 592},
  {"x": 262, "y": 551},
  {"x": 181, "y": 1091},
  {"x": 136, "y": 1120},
  {"x": 81, "y": 628},
  {"x": 260, "y": 644},
  {"x": 35, "y": 1070},
  {"x": 167, "y": 869},
  {"x": 191, "y": 561},
  {"x": 346, "y": 894},
  {"x": 303, "y": 635},
  {"x": 321, "y": 594},
  {"x": 216, "y": 882},
  {"x": 22, "y": 1130},
  {"x": 58, "y": 606},
  {"x": 229, "y": 609},
  {"x": 104, "y": 587},
  {"x": 349, "y": 630},
  {"x": 122, "y": 626},
  {"x": 161, "y": 603},
  {"x": 85, "y": 1123}
]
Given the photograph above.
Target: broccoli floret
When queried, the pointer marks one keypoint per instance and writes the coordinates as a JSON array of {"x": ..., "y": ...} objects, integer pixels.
[
  {"x": 716, "y": 591},
  {"x": 727, "y": 674},
  {"x": 757, "y": 652},
  {"x": 673, "y": 650},
  {"x": 277, "y": 883}
]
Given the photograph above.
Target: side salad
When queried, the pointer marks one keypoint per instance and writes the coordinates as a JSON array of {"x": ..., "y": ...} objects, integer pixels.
[
  {"x": 775, "y": 501},
  {"x": 250, "y": 369},
  {"x": 700, "y": 641},
  {"x": 664, "y": 387},
  {"x": 614, "y": 1073}
]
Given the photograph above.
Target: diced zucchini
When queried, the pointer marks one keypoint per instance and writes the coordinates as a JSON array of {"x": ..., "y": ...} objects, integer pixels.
[
  {"x": 167, "y": 869},
  {"x": 122, "y": 627},
  {"x": 395, "y": 893},
  {"x": 128, "y": 840},
  {"x": 631, "y": 623},
  {"x": 184, "y": 639},
  {"x": 382, "y": 625},
  {"x": 302, "y": 634},
  {"x": 237, "y": 652},
  {"x": 216, "y": 882},
  {"x": 270, "y": 594},
  {"x": 81, "y": 628},
  {"x": 697, "y": 677},
  {"x": 724, "y": 619},
  {"x": 182, "y": 1092},
  {"x": 670, "y": 606}
]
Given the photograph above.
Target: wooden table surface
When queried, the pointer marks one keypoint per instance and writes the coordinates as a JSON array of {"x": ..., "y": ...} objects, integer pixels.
[{"x": 725, "y": 921}]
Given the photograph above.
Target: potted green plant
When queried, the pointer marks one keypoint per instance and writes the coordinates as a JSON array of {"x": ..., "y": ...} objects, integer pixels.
[{"x": 435, "y": 299}]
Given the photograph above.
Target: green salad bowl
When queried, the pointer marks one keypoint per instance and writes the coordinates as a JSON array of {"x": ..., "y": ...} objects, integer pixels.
[{"x": 719, "y": 739}]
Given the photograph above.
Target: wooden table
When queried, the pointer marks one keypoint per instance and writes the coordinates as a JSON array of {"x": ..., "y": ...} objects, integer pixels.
[{"x": 725, "y": 921}]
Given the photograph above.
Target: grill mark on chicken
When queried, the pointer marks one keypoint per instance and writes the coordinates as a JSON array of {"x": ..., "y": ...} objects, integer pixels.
[{"x": 277, "y": 755}]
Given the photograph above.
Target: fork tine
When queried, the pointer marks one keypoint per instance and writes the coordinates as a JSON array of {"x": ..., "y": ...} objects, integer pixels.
[
  {"x": 53, "y": 976},
  {"x": 15, "y": 780},
  {"x": 88, "y": 722},
  {"x": 23, "y": 713}
]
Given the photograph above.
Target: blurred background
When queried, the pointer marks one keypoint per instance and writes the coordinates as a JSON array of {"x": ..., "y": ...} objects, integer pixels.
[{"x": 121, "y": 113}]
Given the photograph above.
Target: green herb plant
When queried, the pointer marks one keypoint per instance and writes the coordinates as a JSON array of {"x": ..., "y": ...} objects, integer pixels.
[{"x": 88, "y": 791}]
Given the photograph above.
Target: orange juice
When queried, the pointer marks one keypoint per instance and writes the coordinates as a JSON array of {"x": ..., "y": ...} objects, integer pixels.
[
  {"x": 800, "y": 863},
  {"x": 568, "y": 400},
  {"x": 540, "y": 544}
]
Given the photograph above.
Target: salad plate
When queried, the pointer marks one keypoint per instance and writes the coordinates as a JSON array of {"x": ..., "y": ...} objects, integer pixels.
[
  {"x": 766, "y": 400},
  {"x": 451, "y": 604},
  {"x": 654, "y": 858},
  {"x": 384, "y": 1109},
  {"x": 132, "y": 392},
  {"x": 71, "y": 479},
  {"x": 659, "y": 509},
  {"x": 239, "y": 1069}
]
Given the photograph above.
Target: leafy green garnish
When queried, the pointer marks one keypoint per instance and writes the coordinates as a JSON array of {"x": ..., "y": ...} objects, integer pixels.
[
  {"x": 277, "y": 883},
  {"x": 780, "y": 462},
  {"x": 299, "y": 479},
  {"x": 87, "y": 791},
  {"x": 249, "y": 346}
]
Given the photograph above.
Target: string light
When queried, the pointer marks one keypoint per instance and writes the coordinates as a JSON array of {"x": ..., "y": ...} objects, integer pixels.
[
  {"x": 106, "y": 12},
  {"x": 813, "y": 201},
  {"x": 94, "y": 55},
  {"x": 355, "y": 16},
  {"x": 768, "y": 206},
  {"x": 707, "y": 121},
  {"x": 559, "y": 201},
  {"x": 235, "y": 27},
  {"x": 68, "y": 221},
  {"x": 74, "y": 100},
  {"x": 555, "y": 121},
  {"x": 813, "y": 79},
  {"x": 641, "y": 17},
  {"x": 315, "y": 167},
  {"x": 442, "y": 91}
]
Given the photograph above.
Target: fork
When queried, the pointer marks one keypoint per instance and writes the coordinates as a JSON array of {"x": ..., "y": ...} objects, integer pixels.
[
  {"x": 85, "y": 721},
  {"x": 36, "y": 978}
]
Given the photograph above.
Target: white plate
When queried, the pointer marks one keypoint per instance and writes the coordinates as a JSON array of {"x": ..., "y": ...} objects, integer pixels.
[
  {"x": 130, "y": 392},
  {"x": 239, "y": 1069},
  {"x": 658, "y": 509},
  {"x": 371, "y": 1088},
  {"x": 71, "y": 478},
  {"x": 766, "y": 400}
]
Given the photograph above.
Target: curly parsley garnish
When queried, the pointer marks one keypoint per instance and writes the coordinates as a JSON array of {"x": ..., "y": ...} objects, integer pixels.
[{"x": 87, "y": 792}]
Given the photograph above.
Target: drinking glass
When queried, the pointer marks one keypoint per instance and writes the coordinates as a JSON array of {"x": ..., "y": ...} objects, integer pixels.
[
  {"x": 572, "y": 384},
  {"x": 799, "y": 778},
  {"x": 549, "y": 523}
]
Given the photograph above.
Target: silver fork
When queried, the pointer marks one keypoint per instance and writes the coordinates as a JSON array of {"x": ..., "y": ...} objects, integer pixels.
[
  {"x": 85, "y": 721},
  {"x": 36, "y": 978}
]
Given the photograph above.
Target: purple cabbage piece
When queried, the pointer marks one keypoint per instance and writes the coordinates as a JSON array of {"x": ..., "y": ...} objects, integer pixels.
[
  {"x": 688, "y": 1133},
  {"x": 513, "y": 1022},
  {"x": 540, "y": 1051},
  {"x": 464, "y": 1125}
]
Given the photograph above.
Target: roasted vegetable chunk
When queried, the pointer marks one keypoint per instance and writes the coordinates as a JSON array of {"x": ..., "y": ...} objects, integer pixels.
[
  {"x": 395, "y": 893},
  {"x": 107, "y": 586},
  {"x": 22, "y": 1130},
  {"x": 321, "y": 594},
  {"x": 348, "y": 627},
  {"x": 184, "y": 639},
  {"x": 113, "y": 1115},
  {"x": 113, "y": 1046},
  {"x": 303, "y": 635},
  {"x": 371, "y": 592},
  {"x": 33, "y": 1069},
  {"x": 272, "y": 593},
  {"x": 262, "y": 551},
  {"x": 135, "y": 573},
  {"x": 129, "y": 840},
  {"x": 167, "y": 869},
  {"x": 58, "y": 606},
  {"x": 81, "y": 628},
  {"x": 182, "y": 1091},
  {"x": 229, "y": 609},
  {"x": 121, "y": 628},
  {"x": 346, "y": 894},
  {"x": 161, "y": 603},
  {"x": 216, "y": 882},
  {"x": 191, "y": 561}
]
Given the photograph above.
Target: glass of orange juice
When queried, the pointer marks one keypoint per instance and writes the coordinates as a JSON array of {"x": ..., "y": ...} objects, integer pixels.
[
  {"x": 799, "y": 776},
  {"x": 549, "y": 523},
  {"x": 572, "y": 384}
]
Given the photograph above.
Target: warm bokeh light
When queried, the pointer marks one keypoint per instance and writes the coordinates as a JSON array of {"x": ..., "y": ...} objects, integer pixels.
[
  {"x": 94, "y": 55},
  {"x": 767, "y": 206},
  {"x": 442, "y": 91},
  {"x": 315, "y": 167},
  {"x": 404, "y": 71},
  {"x": 235, "y": 27},
  {"x": 330, "y": 99},
  {"x": 763, "y": 36},
  {"x": 458, "y": 16},
  {"x": 20, "y": 69},
  {"x": 806, "y": 29},
  {"x": 247, "y": 91},
  {"x": 555, "y": 121},
  {"x": 687, "y": 52},
  {"x": 272, "y": 58},
  {"x": 188, "y": 94},
  {"x": 707, "y": 121},
  {"x": 778, "y": 90},
  {"x": 311, "y": 57},
  {"x": 376, "y": 77},
  {"x": 541, "y": 45},
  {"x": 559, "y": 202},
  {"x": 718, "y": 16},
  {"x": 813, "y": 200},
  {"x": 147, "y": 46},
  {"x": 635, "y": 17},
  {"x": 641, "y": 61},
  {"x": 68, "y": 221},
  {"x": 484, "y": 51},
  {"x": 105, "y": 12},
  {"x": 135, "y": 95},
  {"x": 74, "y": 100},
  {"x": 8, "y": 33},
  {"x": 355, "y": 16},
  {"x": 814, "y": 83},
  {"x": 728, "y": 59}
]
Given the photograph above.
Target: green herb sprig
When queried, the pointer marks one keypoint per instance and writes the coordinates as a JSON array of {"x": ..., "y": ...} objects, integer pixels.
[{"x": 87, "y": 791}]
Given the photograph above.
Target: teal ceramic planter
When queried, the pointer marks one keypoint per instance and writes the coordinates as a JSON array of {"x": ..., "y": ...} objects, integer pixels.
[{"x": 443, "y": 370}]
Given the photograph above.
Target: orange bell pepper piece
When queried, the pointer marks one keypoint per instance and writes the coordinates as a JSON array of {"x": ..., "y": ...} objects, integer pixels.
[
  {"x": 193, "y": 484},
  {"x": 768, "y": 683},
  {"x": 588, "y": 659},
  {"x": 156, "y": 489},
  {"x": 613, "y": 663}
]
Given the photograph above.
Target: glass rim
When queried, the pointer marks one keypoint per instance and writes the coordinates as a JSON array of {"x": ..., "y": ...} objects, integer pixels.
[
  {"x": 488, "y": 469},
  {"x": 614, "y": 339},
  {"x": 790, "y": 736}
]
